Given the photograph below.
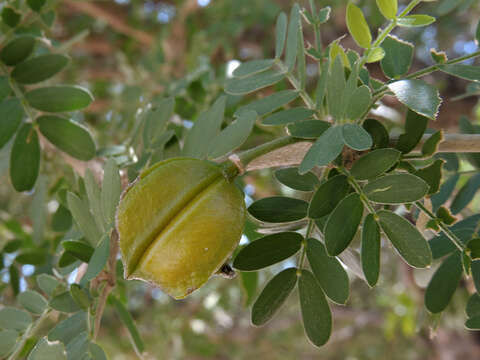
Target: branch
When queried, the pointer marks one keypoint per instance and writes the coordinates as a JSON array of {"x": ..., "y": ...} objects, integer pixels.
[
  {"x": 111, "y": 19},
  {"x": 293, "y": 154}
]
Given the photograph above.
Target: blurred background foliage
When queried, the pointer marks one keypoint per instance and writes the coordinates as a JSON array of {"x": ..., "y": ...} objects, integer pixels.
[{"x": 130, "y": 52}]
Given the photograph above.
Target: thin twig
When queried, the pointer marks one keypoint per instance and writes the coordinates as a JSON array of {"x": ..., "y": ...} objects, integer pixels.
[{"x": 109, "y": 284}]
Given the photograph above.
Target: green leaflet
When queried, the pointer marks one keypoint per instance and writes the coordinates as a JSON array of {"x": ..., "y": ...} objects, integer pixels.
[
  {"x": 443, "y": 284},
  {"x": 308, "y": 129},
  {"x": 398, "y": 57},
  {"x": 370, "y": 252},
  {"x": 355, "y": 137},
  {"x": 327, "y": 196},
  {"x": 406, "y": 239},
  {"x": 378, "y": 132},
  {"x": 12, "y": 113},
  {"x": 253, "y": 83},
  {"x": 39, "y": 68},
  {"x": 234, "y": 135},
  {"x": 273, "y": 296},
  {"x": 418, "y": 96},
  {"x": 292, "y": 37},
  {"x": 396, "y": 189},
  {"x": 291, "y": 178},
  {"x": 432, "y": 174},
  {"x": 374, "y": 163},
  {"x": 357, "y": 26},
  {"x": 342, "y": 224},
  {"x": 25, "y": 158},
  {"x": 270, "y": 103},
  {"x": 252, "y": 67},
  {"x": 316, "y": 315},
  {"x": 388, "y": 8},
  {"x": 277, "y": 209},
  {"x": 283, "y": 117},
  {"x": 267, "y": 251},
  {"x": 328, "y": 271},
  {"x": 327, "y": 147},
  {"x": 415, "y": 20},
  {"x": 59, "y": 98},
  {"x": 17, "y": 50},
  {"x": 68, "y": 135},
  {"x": 32, "y": 301},
  {"x": 280, "y": 34}
]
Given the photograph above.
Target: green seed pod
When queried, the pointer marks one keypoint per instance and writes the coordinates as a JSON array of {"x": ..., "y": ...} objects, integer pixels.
[{"x": 178, "y": 223}]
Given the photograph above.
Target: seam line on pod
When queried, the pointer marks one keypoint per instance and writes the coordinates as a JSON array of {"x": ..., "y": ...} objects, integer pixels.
[
  {"x": 179, "y": 214},
  {"x": 129, "y": 270}
]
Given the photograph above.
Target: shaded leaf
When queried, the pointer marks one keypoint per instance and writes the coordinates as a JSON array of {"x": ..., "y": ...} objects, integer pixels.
[
  {"x": 308, "y": 129},
  {"x": 323, "y": 151},
  {"x": 234, "y": 135},
  {"x": 17, "y": 50},
  {"x": 79, "y": 249},
  {"x": 267, "y": 251},
  {"x": 25, "y": 158},
  {"x": 432, "y": 174},
  {"x": 280, "y": 34},
  {"x": 14, "y": 319},
  {"x": 328, "y": 271},
  {"x": 468, "y": 72},
  {"x": 430, "y": 146},
  {"x": 204, "y": 130},
  {"x": 378, "y": 132},
  {"x": 59, "y": 98},
  {"x": 277, "y": 209},
  {"x": 465, "y": 194},
  {"x": 370, "y": 251},
  {"x": 253, "y": 83},
  {"x": 342, "y": 224},
  {"x": 98, "y": 260},
  {"x": 292, "y": 37},
  {"x": 252, "y": 67},
  {"x": 8, "y": 339},
  {"x": 66, "y": 330},
  {"x": 67, "y": 135},
  {"x": 291, "y": 178},
  {"x": 327, "y": 196},
  {"x": 39, "y": 68},
  {"x": 83, "y": 218},
  {"x": 443, "y": 284},
  {"x": 273, "y": 296},
  {"x": 47, "y": 283},
  {"x": 288, "y": 116},
  {"x": 11, "y": 115},
  {"x": 270, "y": 103},
  {"x": 398, "y": 57},
  {"x": 110, "y": 193},
  {"x": 316, "y": 315},
  {"x": 32, "y": 301},
  {"x": 356, "y": 137},
  {"x": 45, "y": 350},
  {"x": 64, "y": 303},
  {"x": 359, "y": 103},
  {"x": 473, "y": 305}
]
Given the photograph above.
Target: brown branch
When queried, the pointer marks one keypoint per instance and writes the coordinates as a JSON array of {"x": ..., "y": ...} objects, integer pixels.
[
  {"x": 109, "y": 283},
  {"x": 293, "y": 154},
  {"x": 114, "y": 21}
]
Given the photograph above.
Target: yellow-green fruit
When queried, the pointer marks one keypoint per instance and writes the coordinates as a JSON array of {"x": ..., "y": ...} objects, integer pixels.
[{"x": 178, "y": 224}]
